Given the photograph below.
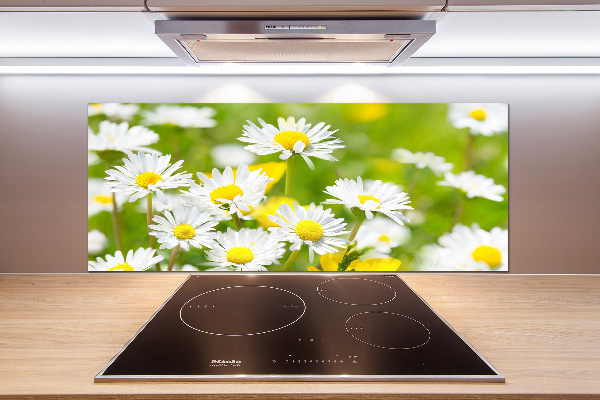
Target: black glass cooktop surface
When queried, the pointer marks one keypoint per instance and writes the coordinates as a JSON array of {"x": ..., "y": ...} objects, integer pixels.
[{"x": 297, "y": 327}]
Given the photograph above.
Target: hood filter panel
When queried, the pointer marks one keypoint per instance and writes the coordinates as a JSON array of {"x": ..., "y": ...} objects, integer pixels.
[
  {"x": 295, "y": 51},
  {"x": 388, "y": 42}
]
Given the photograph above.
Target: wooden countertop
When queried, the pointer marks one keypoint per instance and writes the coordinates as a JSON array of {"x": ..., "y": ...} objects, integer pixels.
[{"x": 541, "y": 332}]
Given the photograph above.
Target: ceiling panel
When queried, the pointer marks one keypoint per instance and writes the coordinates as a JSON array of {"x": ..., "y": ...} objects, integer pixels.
[
  {"x": 79, "y": 34},
  {"x": 460, "y": 34},
  {"x": 515, "y": 34}
]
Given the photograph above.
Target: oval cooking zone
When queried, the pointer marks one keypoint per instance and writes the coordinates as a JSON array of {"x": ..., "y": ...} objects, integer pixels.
[
  {"x": 356, "y": 291},
  {"x": 388, "y": 330},
  {"x": 242, "y": 310}
]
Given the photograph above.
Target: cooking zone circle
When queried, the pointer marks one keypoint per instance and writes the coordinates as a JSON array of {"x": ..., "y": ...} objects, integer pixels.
[
  {"x": 388, "y": 330},
  {"x": 242, "y": 310},
  {"x": 356, "y": 291}
]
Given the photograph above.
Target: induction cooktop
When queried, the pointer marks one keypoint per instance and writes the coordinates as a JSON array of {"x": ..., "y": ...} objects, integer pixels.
[{"x": 309, "y": 327}]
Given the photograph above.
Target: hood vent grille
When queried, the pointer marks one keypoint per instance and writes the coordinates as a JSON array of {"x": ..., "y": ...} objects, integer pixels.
[
  {"x": 295, "y": 50},
  {"x": 389, "y": 42}
]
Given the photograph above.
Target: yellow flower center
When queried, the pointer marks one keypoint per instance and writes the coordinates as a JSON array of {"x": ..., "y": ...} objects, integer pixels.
[
  {"x": 363, "y": 198},
  {"x": 309, "y": 230},
  {"x": 148, "y": 178},
  {"x": 489, "y": 255},
  {"x": 225, "y": 192},
  {"x": 384, "y": 238},
  {"x": 240, "y": 255},
  {"x": 121, "y": 267},
  {"x": 287, "y": 139},
  {"x": 478, "y": 115},
  {"x": 184, "y": 231},
  {"x": 103, "y": 199}
]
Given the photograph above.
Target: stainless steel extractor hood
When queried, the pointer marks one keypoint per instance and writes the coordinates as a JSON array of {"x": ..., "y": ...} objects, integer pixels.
[{"x": 387, "y": 42}]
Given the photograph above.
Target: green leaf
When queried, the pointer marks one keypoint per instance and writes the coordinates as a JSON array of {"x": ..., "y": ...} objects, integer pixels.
[{"x": 350, "y": 256}]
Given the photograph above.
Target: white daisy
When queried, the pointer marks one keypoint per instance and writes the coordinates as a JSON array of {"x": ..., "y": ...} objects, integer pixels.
[
  {"x": 184, "y": 117},
  {"x": 141, "y": 260},
  {"x": 384, "y": 198},
  {"x": 470, "y": 249},
  {"x": 234, "y": 193},
  {"x": 120, "y": 137},
  {"x": 315, "y": 227},
  {"x": 100, "y": 197},
  {"x": 185, "y": 226},
  {"x": 114, "y": 110},
  {"x": 231, "y": 155},
  {"x": 292, "y": 138},
  {"x": 146, "y": 173},
  {"x": 436, "y": 164},
  {"x": 382, "y": 235},
  {"x": 484, "y": 119},
  {"x": 432, "y": 257},
  {"x": 474, "y": 185},
  {"x": 97, "y": 241},
  {"x": 246, "y": 250}
]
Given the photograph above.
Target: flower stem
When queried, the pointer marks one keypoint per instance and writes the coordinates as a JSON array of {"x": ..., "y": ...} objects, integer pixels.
[
  {"x": 288, "y": 176},
  {"x": 288, "y": 264},
  {"x": 469, "y": 152},
  {"x": 355, "y": 229},
  {"x": 149, "y": 219},
  {"x": 459, "y": 209},
  {"x": 237, "y": 221},
  {"x": 173, "y": 256},
  {"x": 413, "y": 182},
  {"x": 116, "y": 224}
]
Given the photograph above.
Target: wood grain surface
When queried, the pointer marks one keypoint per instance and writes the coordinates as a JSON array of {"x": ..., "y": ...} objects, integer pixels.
[{"x": 542, "y": 332}]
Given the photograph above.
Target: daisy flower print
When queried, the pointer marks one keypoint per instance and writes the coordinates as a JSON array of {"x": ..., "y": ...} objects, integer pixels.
[
  {"x": 378, "y": 197},
  {"x": 381, "y": 235},
  {"x": 140, "y": 260},
  {"x": 100, "y": 197},
  {"x": 314, "y": 227},
  {"x": 182, "y": 116},
  {"x": 275, "y": 187},
  {"x": 474, "y": 185},
  {"x": 436, "y": 164},
  {"x": 234, "y": 193},
  {"x": 292, "y": 138},
  {"x": 484, "y": 119},
  {"x": 245, "y": 250},
  {"x": 144, "y": 173},
  {"x": 469, "y": 249},
  {"x": 184, "y": 227},
  {"x": 121, "y": 137},
  {"x": 114, "y": 111}
]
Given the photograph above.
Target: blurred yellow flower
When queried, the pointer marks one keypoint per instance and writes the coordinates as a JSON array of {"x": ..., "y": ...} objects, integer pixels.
[
  {"x": 274, "y": 170},
  {"x": 261, "y": 212},
  {"x": 367, "y": 112},
  {"x": 386, "y": 165},
  {"x": 330, "y": 262},
  {"x": 376, "y": 264}
]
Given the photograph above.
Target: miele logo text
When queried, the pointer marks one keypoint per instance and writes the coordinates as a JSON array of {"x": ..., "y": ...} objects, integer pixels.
[{"x": 225, "y": 363}]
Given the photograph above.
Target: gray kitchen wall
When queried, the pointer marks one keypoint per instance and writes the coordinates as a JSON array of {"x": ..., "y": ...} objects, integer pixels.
[{"x": 554, "y": 162}]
